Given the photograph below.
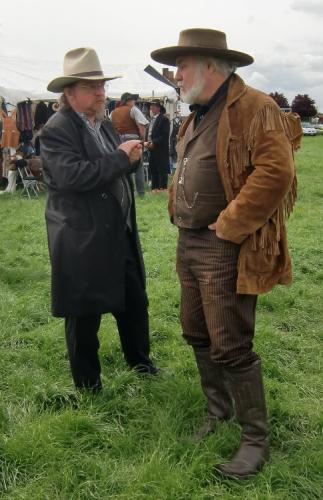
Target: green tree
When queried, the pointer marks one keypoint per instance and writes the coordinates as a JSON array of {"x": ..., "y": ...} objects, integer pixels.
[
  {"x": 280, "y": 99},
  {"x": 304, "y": 106}
]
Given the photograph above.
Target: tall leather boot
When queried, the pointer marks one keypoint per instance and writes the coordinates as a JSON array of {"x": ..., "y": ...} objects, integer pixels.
[
  {"x": 248, "y": 394},
  {"x": 214, "y": 386}
]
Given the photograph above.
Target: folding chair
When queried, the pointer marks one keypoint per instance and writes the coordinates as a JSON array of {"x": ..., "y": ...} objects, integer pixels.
[{"x": 29, "y": 182}]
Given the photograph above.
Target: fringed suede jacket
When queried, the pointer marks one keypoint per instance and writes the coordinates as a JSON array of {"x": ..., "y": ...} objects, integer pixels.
[{"x": 255, "y": 155}]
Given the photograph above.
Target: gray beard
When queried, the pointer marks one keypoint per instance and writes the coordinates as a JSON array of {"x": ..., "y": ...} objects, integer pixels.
[
  {"x": 192, "y": 95},
  {"x": 100, "y": 114}
]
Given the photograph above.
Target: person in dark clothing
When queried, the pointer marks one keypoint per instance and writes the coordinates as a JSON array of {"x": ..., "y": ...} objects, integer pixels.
[
  {"x": 97, "y": 264},
  {"x": 158, "y": 147}
]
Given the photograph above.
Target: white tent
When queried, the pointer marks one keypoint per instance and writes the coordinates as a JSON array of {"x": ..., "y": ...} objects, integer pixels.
[
  {"x": 136, "y": 81},
  {"x": 22, "y": 78}
]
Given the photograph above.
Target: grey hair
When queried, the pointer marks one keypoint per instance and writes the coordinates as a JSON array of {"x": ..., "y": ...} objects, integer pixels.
[{"x": 223, "y": 66}]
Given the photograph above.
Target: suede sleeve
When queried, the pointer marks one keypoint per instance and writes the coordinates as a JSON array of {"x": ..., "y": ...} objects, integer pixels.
[{"x": 264, "y": 190}]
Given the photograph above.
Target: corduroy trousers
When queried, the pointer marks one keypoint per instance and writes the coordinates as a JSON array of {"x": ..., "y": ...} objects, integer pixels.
[{"x": 212, "y": 313}]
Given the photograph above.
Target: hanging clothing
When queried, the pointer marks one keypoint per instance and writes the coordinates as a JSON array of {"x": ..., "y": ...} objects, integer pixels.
[
  {"x": 2, "y": 116},
  {"x": 10, "y": 133},
  {"x": 41, "y": 115},
  {"x": 4, "y": 107},
  {"x": 24, "y": 116},
  {"x": 26, "y": 136}
]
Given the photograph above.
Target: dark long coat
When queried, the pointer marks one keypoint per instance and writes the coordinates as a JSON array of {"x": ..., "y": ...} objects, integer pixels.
[
  {"x": 85, "y": 224},
  {"x": 159, "y": 155}
]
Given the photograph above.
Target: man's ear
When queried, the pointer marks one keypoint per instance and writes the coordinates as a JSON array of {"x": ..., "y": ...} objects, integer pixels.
[{"x": 210, "y": 66}]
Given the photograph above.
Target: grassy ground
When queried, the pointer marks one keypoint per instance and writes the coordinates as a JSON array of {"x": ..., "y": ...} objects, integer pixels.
[{"x": 132, "y": 441}]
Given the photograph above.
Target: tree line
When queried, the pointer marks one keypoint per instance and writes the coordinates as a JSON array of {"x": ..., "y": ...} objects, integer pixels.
[{"x": 302, "y": 104}]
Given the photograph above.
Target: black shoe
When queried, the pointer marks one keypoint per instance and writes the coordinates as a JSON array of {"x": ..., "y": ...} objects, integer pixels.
[
  {"x": 147, "y": 369},
  {"x": 91, "y": 389}
]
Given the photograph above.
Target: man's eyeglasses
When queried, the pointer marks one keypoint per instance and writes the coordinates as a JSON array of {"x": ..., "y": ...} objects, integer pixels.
[{"x": 92, "y": 87}]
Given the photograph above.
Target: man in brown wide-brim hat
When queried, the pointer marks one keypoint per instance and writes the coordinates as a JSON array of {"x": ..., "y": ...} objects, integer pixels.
[
  {"x": 233, "y": 186},
  {"x": 97, "y": 264}
]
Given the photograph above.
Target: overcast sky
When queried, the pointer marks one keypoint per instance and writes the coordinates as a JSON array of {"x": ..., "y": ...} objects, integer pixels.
[{"x": 285, "y": 37}]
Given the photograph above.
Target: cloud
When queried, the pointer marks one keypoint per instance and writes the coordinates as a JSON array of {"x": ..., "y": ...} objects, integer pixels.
[
  {"x": 314, "y": 7},
  {"x": 288, "y": 73},
  {"x": 312, "y": 63},
  {"x": 259, "y": 80}
]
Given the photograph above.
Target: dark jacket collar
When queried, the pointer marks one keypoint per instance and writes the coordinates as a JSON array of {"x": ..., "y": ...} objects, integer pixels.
[
  {"x": 69, "y": 112},
  {"x": 106, "y": 125}
]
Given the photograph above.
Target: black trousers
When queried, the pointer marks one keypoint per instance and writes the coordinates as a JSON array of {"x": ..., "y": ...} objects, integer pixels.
[
  {"x": 133, "y": 326},
  {"x": 158, "y": 179}
]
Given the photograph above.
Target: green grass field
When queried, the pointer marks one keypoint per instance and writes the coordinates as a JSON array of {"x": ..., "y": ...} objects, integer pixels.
[{"x": 133, "y": 440}]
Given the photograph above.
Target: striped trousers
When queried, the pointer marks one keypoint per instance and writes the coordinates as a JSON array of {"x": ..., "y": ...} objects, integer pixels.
[{"x": 212, "y": 313}]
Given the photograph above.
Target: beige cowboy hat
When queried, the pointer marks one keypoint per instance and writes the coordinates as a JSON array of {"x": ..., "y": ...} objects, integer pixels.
[
  {"x": 79, "y": 64},
  {"x": 202, "y": 42}
]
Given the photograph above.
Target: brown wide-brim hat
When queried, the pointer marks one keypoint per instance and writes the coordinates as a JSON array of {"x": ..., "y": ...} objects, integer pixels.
[
  {"x": 201, "y": 42},
  {"x": 79, "y": 64}
]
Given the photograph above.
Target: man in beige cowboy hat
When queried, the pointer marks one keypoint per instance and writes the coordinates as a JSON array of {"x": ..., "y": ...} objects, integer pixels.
[
  {"x": 97, "y": 265},
  {"x": 233, "y": 186}
]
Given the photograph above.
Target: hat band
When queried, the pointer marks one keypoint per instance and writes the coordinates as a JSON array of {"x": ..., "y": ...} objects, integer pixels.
[{"x": 88, "y": 73}]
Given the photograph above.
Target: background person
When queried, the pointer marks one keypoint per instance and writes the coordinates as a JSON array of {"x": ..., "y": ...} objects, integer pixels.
[
  {"x": 97, "y": 265},
  {"x": 158, "y": 146},
  {"x": 12, "y": 176},
  {"x": 233, "y": 185},
  {"x": 131, "y": 123}
]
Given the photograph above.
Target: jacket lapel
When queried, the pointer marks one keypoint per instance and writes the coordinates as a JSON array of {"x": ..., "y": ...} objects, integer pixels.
[
  {"x": 109, "y": 131},
  {"x": 209, "y": 120},
  {"x": 236, "y": 89},
  {"x": 189, "y": 134}
]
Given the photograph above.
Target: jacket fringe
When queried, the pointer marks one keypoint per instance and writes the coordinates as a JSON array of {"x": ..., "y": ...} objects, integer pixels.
[
  {"x": 239, "y": 160},
  {"x": 293, "y": 129},
  {"x": 268, "y": 118}
]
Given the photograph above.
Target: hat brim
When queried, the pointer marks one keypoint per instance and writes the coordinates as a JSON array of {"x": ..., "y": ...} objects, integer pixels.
[
  {"x": 57, "y": 85},
  {"x": 169, "y": 55}
]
